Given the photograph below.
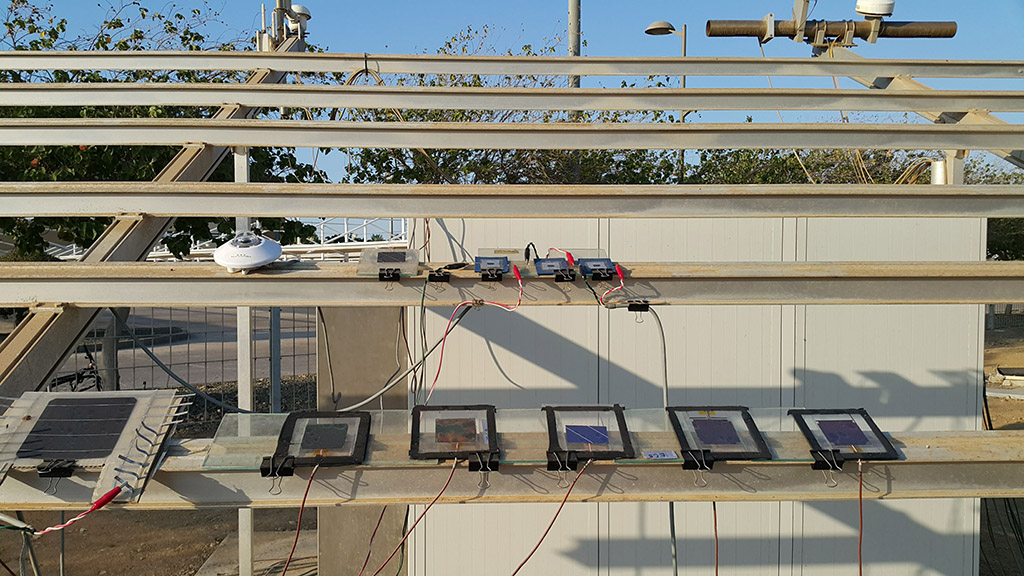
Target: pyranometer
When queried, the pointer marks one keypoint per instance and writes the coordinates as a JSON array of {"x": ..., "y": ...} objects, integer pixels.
[{"x": 246, "y": 251}]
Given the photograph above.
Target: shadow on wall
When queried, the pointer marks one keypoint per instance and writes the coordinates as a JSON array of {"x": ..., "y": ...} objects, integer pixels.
[
  {"x": 924, "y": 546},
  {"x": 954, "y": 394}
]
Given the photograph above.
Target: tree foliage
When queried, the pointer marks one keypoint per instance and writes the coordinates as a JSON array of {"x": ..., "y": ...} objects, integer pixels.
[{"x": 127, "y": 26}]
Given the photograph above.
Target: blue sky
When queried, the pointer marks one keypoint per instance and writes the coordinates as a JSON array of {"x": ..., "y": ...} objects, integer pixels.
[{"x": 988, "y": 30}]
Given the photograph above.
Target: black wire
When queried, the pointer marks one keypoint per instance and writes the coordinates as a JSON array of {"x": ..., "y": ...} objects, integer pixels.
[
  {"x": 335, "y": 398},
  {"x": 587, "y": 282},
  {"x": 526, "y": 253},
  {"x": 8, "y": 568},
  {"x": 401, "y": 553}
]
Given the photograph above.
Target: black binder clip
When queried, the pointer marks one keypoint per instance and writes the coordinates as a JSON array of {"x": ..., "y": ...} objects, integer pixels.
[
  {"x": 56, "y": 468},
  {"x": 389, "y": 275}
]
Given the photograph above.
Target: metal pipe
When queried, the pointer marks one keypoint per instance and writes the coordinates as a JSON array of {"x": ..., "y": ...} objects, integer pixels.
[
  {"x": 832, "y": 29},
  {"x": 574, "y": 37}
]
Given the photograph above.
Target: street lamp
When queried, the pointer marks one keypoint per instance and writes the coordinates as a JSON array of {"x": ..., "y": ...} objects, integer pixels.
[{"x": 663, "y": 28}]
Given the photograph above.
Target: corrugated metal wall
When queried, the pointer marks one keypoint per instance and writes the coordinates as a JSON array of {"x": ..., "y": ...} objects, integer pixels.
[{"x": 913, "y": 368}]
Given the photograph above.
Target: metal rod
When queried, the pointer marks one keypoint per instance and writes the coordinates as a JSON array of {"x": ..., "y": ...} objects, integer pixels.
[
  {"x": 340, "y": 284},
  {"x": 275, "y": 359},
  {"x": 317, "y": 96},
  {"x": 861, "y": 29},
  {"x": 506, "y": 136},
  {"x": 41, "y": 199},
  {"x": 504, "y": 65},
  {"x": 27, "y": 543},
  {"x": 574, "y": 38}
]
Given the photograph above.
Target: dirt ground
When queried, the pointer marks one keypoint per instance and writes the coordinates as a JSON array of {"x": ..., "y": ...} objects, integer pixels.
[{"x": 116, "y": 543}]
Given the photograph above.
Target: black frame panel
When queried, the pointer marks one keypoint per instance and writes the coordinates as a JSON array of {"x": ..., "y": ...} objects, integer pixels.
[
  {"x": 554, "y": 447},
  {"x": 358, "y": 450},
  {"x": 800, "y": 414},
  {"x": 492, "y": 433},
  {"x": 762, "y": 453}
]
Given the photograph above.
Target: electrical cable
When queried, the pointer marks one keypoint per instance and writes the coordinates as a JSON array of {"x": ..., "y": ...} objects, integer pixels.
[
  {"x": 714, "y": 513},
  {"x": 592, "y": 291},
  {"x": 555, "y": 517},
  {"x": 621, "y": 286},
  {"x": 175, "y": 377},
  {"x": 860, "y": 513},
  {"x": 8, "y": 568},
  {"x": 526, "y": 252},
  {"x": 395, "y": 381},
  {"x": 335, "y": 398},
  {"x": 420, "y": 517},
  {"x": 664, "y": 392},
  {"x": 440, "y": 360},
  {"x": 298, "y": 523},
  {"x": 568, "y": 256},
  {"x": 369, "y": 546},
  {"x": 99, "y": 503}
]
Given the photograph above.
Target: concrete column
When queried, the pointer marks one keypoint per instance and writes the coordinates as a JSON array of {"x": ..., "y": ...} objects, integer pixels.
[{"x": 359, "y": 345}]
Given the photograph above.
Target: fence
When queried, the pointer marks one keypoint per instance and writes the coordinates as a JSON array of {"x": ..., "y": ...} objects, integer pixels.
[{"x": 1004, "y": 316}]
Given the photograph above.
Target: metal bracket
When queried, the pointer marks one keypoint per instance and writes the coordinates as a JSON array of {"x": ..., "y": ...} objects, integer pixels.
[
  {"x": 769, "y": 27},
  {"x": 876, "y": 27},
  {"x": 800, "y": 8}
]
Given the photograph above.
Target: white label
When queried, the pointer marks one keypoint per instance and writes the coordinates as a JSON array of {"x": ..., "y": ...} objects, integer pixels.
[{"x": 660, "y": 455}]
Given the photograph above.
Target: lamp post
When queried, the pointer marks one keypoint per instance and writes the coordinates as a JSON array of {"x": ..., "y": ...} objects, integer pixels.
[{"x": 663, "y": 28}]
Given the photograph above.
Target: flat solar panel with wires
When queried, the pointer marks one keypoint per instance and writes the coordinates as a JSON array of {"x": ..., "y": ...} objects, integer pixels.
[
  {"x": 586, "y": 433},
  {"x": 838, "y": 435},
  {"x": 464, "y": 432},
  {"x": 121, "y": 434},
  {"x": 710, "y": 433}
]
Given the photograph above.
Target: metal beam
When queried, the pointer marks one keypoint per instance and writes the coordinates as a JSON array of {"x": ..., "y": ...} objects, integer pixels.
[
  {"x": 935, "y": 465},
  {"x": 504, "y": 65},
  {"x": 31, "y": 359},
  {"x": 445, "y": 135},
  {"x": 470, "y": 98},
  {"x": 38, "y": 199},
  {"x": 339, "y": 284},
  {"x": 902, "y": 83}
]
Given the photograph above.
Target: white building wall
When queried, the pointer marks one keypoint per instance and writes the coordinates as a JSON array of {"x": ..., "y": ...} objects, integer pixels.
[{"x": 913, "y": 368}]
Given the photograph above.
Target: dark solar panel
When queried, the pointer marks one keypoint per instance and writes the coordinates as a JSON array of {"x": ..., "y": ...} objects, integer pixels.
[
  {"x": 716, "y": 431},
  {"x": 324, "y": 436},
  {"x": 77, "y": 428},
  {"x": 843, "y": 433},
  {"x": 391, "y": 257}
]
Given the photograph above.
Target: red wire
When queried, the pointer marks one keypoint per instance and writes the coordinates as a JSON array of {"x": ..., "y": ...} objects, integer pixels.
[
  {"x": 860, "y": 506},
  {"x": 714, "y": 512},
  {"x": 369, "y": 547},
  {"x": 444, "y": 339},
  {"x": 621, "y": 286},
  {"x": 420, "y": 517},
  {"x": 99, "y": 503},
  {"x": 568, "y": 256},
  {"x": 557, "y": 512},
  {"x": 298, "y": 524}
]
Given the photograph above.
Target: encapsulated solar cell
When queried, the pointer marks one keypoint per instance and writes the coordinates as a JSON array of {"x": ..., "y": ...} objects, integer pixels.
[
  {"x": 716, "y": 431},
  {"x": 843, "y": 433},
  {"x": 391, "y": 257},
  {"x": 455, "y": 430},
  {"x": 325, "y": 437},
  {"x": 482, "y": 263},
  {"x": 586, "y": 435},
  {"x": 77, "y": 428}
]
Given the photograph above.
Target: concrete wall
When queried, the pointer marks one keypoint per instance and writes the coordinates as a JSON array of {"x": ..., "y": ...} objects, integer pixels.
[{"x": 912, "y": 367}]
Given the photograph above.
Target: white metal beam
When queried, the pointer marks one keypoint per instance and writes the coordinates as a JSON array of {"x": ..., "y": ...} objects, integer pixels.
[
  {"x": 504, "y": 65},
  {"x": 339, "y": 284},
  {"x": 38, "y": 199},
  {"x": 304, "y": 133},
  {"x": 472, "y": 98}
]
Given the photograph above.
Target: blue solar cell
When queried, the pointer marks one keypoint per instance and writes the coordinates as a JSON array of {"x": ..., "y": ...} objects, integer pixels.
[
  {"x": 719, "y": 431},
  {"x": 586, "y": 434}
]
